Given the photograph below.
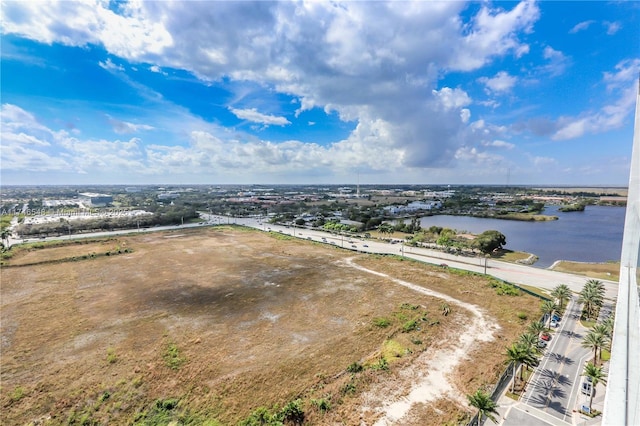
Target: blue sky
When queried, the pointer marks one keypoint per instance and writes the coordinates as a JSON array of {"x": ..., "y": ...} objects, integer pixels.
[{"x": 315, "y": 92}]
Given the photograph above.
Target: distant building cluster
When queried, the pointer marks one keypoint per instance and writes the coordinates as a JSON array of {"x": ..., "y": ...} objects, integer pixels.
[
  {"x": 413, "y": 207},
  {"x": 95, "y": 200}
]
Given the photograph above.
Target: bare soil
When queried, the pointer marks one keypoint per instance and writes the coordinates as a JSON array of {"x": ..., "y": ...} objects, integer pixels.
[{"x": 223, "y": 321}]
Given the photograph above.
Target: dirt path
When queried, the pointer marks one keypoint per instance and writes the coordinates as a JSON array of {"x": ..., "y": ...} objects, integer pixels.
[{"x": 429, "y": 375}]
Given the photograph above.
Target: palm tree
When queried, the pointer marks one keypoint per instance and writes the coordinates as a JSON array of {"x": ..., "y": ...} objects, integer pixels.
[
  {"x": 485, "y": 405},
  {"x": 592, "y": 296},
  {"x": 594, "y": 341},
  {"x": 603, "y": 331},
  {"x": 608, "y": 324},
  {"x": 528, "y": 339},
  {"x": 597, "y": 284},
  {"x": 385, "y": 228},
  {"x": 518, "y": 354},
  {"x": 596, "y": 375},
  {"x": 536, "y": 327},
  {"x": 548, "y": 307},
  {"x": 562, "y": 293}
]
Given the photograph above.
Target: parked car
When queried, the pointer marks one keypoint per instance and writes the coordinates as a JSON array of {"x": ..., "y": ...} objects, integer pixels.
[
  {"x": 364, "y": 245},
  {"x": 542, "y": 344},
  {"x": 556, "y": 318},
  {"x": 354, "y": 246},
  {"x": 545, "y": 336},
  {"x": 554, "y": 324}
]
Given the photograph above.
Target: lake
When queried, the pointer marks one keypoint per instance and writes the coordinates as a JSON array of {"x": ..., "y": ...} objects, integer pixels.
[{"x": 594, "y": 235}]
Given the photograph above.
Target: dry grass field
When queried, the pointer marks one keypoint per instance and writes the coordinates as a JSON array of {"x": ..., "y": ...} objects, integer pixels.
[
  {"x": 600, "y": 271},
  {"x": 211, "y": 326}
]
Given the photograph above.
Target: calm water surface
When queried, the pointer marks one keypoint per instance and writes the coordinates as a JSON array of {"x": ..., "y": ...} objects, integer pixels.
[{"x": 594, "y": 235}]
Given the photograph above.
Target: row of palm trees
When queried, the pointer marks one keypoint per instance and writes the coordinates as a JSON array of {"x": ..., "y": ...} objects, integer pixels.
[
  {"x": 525, "y": 351},
  {"x": 592, "y": 298},
  {"x": 599, "y": 337}
]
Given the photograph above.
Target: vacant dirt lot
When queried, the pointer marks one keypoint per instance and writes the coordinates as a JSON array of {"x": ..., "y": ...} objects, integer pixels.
[{"x": 208, "y": 326}]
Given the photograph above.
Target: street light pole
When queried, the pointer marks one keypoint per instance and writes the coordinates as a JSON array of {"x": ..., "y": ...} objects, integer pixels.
[{"x": 486, "y": 258}]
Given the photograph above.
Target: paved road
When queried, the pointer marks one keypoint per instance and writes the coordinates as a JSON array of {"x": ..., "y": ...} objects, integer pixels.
[
  {"x": 556, "y": 382},
  {"x": 518, "y": 274}
]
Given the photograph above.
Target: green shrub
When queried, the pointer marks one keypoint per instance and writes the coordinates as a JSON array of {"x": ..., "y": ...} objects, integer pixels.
[
  {"x": 349, "y": 388},
  {"x": 18, "y": 393},
  {"x": 409, "y": 306},
  {"x": 410, "y": 326},
  {"x": 172, "y": 357},
  {"x": 355, "y": 367},
  {"x": 382, "y": 364},
  {"x": 293, "y": 412},
  {"x": 112, "y": 358},
  {"x": 381, "y": 322},
  {"x": 321, "y": 404}
]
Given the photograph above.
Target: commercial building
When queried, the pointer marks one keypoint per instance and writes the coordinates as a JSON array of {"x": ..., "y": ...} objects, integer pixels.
[{"x": 95, "y": 200}]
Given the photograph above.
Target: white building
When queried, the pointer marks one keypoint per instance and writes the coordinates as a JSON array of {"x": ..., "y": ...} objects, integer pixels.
[{"x": 95, "y": 200}]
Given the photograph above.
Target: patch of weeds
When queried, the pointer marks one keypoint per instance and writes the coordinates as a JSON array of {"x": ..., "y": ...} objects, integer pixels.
[
  {"x": 416, "y": 341},
  {"x": 293, "y": 412},
  {"x": 81, "y": 418},
  {"x": 161, "y": 413},
  {"x": 112, "y": 358},
  {"x": 349, "y": 388},
  {"x": 392, "y": 349},
  {"x": 137, "y": 382},
  {"x": 104, "y": 396},
  {"x": 381, "y": 322},
  {"x": 262, "y": 416},
  {"x": 355, "y": 367},
  {"x": 504, "y": 289},
  {"x": 409, "y": 306},
  {"x": 409, "y": 326},
  {"x": 522, "y": 316},
  {"x": 18, "y": 393},
  {"x": 400, "y": 316},
  {"x": 382, "y": 364},
  {"x": 321, "y": 404},
  {"x": 172, "y": 357}
]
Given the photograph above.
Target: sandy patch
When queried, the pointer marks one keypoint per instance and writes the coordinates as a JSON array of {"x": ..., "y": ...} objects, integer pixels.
[{"x": 429, "y": 374}]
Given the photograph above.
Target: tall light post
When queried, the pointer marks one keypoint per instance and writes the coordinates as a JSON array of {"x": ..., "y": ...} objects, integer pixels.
[{"x": 486, "y": 258}]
